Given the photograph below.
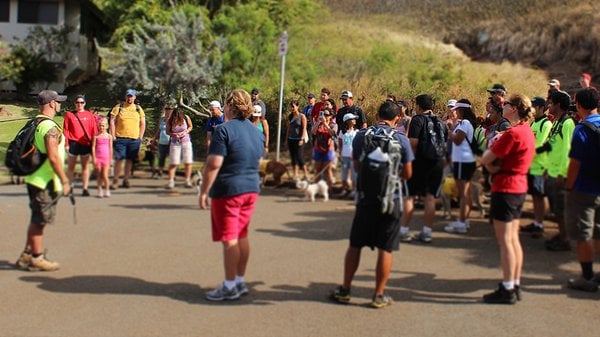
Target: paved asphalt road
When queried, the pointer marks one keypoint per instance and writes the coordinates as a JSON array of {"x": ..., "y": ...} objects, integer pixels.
[{"x": 138, "y": 264}]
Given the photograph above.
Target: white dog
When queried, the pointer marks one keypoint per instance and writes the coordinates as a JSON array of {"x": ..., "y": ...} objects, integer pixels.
[{"x": 311, "y": 190}]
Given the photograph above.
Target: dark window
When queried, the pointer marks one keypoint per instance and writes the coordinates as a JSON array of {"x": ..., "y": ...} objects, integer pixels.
[
  {"x": 38, "y": 12},
  {"x": 4, "y": 10}
]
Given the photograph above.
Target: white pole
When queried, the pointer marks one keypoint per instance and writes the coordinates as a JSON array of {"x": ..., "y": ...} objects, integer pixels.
[{"x": 282, "y": 52}]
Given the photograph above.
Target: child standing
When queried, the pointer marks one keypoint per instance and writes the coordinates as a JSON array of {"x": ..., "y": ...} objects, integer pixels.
[
  {"x": 345, "y": 139},
  {"x": 102, "y": 153}
]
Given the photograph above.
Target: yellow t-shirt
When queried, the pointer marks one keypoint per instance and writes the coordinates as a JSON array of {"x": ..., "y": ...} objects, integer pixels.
[
  {"x": 127, "y": 122},
  {"x": 45, "y": 173}
]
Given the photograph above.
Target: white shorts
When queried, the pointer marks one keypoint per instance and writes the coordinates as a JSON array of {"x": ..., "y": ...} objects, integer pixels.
[{"x": 181, "y": 152}]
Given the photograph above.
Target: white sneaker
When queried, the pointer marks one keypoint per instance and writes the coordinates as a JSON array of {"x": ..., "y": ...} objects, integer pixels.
[
  {"x": 171, "y": 184},
  {"x": 456, "y": 227}
]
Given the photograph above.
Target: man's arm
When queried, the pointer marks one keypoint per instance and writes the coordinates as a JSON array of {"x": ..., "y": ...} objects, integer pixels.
[
  {"x": 51, "y": 143},
  {"x": 572, "y": 173},
  {"x": 142, "y": 126}
]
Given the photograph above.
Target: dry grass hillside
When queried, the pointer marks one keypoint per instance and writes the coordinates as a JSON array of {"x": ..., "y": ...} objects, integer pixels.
[{"x": 560, "y": 37}]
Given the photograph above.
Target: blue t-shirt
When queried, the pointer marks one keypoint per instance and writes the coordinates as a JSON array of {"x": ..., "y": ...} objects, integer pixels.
[
  {"x": 241, "y": 144},
  {"x": 584, "y": 147},
  {"x": 213, "y": 122}
]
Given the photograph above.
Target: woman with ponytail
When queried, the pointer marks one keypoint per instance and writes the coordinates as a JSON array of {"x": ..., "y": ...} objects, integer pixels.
[{"x": 508, "y": 160}]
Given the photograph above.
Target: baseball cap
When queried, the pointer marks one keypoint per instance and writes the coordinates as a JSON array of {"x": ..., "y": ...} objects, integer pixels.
[
  {"x": 47, "y": 96},
  {"x": 348, "y": 117},
  {"x": 554, "y": 83},
  {"x": 538, "y": 101},
  {"x": 311, "y": 95},
  {"x": 214, "y": 104},
  {"x": 346, "y": 94},
  {"x": 255, "y": 91},
  {"x": 451, "y": 103},
  {"x": 130, "y": 92},
  {"x": 498, "y": 87},
  {"x": 257, "y": 111},
  {"x": 586, "y": 76}
]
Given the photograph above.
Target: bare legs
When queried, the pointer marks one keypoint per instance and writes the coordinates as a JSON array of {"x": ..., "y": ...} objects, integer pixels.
[{"x": 511, "y": 252}]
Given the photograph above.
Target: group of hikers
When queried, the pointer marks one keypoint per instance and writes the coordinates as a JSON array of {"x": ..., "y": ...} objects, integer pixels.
[{"x": 547, "y": 147}]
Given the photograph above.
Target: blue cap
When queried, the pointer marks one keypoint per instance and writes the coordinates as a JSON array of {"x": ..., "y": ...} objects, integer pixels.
[{"x": 130, "y": 92}]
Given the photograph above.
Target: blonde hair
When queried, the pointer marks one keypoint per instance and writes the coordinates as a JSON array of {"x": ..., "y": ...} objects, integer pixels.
[
  {"x": 103, "y": 120},
  {"x": 241, "y": 103},
  {"x": 523, "y": 105}
]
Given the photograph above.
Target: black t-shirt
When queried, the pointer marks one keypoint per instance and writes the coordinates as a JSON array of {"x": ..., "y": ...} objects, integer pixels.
[
  {"x": 417, "y": 127},
  {"x": 355, "y": 110}
]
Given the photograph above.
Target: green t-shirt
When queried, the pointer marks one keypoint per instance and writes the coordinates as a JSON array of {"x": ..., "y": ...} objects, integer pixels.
[
  {"x": 541, "y": 129},
  {"x": 560, "y": 140},
  {"x": 42, "y": 176}
]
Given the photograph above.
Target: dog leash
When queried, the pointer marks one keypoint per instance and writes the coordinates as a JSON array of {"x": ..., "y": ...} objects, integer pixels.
[
  {"x": 55, "y": 200},
  {"x": 320, "y": 172}
]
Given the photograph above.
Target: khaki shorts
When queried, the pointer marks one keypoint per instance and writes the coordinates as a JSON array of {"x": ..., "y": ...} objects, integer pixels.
[
  {"x": 582, "y": 216},
  {"x": 41, "y": 213}
]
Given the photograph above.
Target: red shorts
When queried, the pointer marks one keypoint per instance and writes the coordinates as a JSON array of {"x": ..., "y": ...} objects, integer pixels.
[{"x": 231, "y": 216}]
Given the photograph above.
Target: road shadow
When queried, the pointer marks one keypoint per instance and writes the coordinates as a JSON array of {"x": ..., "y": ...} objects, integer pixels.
[{"x": 324, "y": 226}]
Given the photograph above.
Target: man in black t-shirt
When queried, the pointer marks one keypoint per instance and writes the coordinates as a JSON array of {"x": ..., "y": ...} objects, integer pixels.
[
  {"x": 427, "y": 173},
  {"x": 349, "y": 107}
]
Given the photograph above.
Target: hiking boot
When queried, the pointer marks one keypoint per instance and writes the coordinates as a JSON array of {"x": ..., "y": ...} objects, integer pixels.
[
  {"x": 380, "y": 301},
  {"x": 242, "y": 289},
  {"x": 501, "y": 296},
  {"x": 114, "y": 185},
  {"x": 340, "y": 295},
  {"x": 41, "y": 264},
  {"x": 85, "y": 193},
  {"x": 424, "y": 237},
  {"x": 405, "y": 237},
  {"x": 583, "y": 284},
  {"x": 532, "y": 228},
  {"x": 125, "y": 184},
  {"x": 23, "y": 261},
  {"x": 456, "y": 227},
  {"x": 221, "y": 293},
  {"x": 558, "y": 245}
]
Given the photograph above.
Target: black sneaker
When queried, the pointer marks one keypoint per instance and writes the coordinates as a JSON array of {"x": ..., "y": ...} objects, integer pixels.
[
  {"x": 583, "y": 284},
  {"x": 340, "y": 295},
  {"x": 85, "y": 193},
  {"x": 532, "y": 229},
  {"x": 518, "y": 293},
  {"x": 501, "y": 296},
  {"x": 125, "y": 184}
]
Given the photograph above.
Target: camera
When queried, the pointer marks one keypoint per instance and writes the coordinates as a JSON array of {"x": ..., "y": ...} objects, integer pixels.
[{"x": 546, "y": 147}]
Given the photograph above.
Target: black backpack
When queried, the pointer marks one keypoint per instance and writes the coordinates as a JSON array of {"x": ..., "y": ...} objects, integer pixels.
[
  {"x": 432, "y": 144},
  {"x": 22, "y": 157},
  {"x": 378, "y": 180}
]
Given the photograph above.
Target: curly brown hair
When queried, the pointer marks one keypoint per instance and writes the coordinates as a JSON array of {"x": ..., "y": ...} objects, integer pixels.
[{"x": 240, "y": 103}]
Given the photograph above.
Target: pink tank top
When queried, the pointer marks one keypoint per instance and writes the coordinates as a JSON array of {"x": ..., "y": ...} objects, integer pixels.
[{"x": 102, "y": 148}]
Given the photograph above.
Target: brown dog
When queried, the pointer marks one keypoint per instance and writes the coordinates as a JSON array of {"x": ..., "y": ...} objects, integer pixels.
[{"x": 277, "y": 169}]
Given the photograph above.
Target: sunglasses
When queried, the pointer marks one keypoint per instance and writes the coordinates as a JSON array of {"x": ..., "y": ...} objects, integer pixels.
[{"x": 79, "y": 102}]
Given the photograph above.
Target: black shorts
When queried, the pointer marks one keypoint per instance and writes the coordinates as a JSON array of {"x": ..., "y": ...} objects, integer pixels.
[
  {"x": 39, "y": 199},
  {"x": 536, "y": 185},
  {"x": 372, "y": 229},
  {"x": 463, "y": 171},
  {"x": 506, "y": 207},
  {"x": 427, "y": 178},
  {"x": 76, "y": 149}
]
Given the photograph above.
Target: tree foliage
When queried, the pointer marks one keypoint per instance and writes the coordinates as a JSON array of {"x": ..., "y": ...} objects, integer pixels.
[{"x": 165, "y": 60}]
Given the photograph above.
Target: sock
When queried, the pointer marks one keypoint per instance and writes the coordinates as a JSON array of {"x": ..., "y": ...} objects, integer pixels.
[
  {"x": 508, "y": 285},
  {"x": 36, "y": 255},
  {"x": 404, "y": 229},
  {"x": 517, "y": 283},
  {"x": 426, "y": 229},
  {"x": 239, "y": 279},
  {"x": 229, "y": 284},
  {"x": 586, "y": 270}
]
